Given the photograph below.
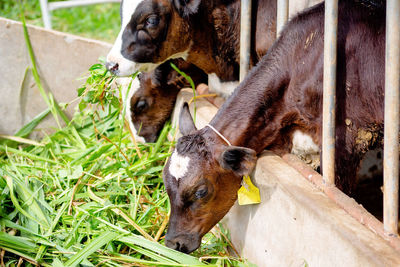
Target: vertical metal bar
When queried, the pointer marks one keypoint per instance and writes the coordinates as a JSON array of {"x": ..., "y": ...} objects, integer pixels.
[
  {"x": 391, "y": 146},
  {"x": 329, "y": 97},
  {"x": 281, "y": 15},
  {"x": 45, "y": 14},
  {"x": 245, "y": 37}
]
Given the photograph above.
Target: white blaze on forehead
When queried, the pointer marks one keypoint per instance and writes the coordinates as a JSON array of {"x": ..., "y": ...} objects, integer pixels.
[
  {"x": 124, "y": 82},
  {"x": 178, "y": 165},
  {"x": 125, "y": 66}
]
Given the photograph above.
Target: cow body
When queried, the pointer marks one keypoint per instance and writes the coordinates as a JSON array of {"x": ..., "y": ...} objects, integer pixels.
[{"x": 279, "y": 107}]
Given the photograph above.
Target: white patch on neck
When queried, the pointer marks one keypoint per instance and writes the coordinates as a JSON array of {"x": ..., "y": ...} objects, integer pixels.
[
  {"x": 125, "y": 66},
  {"x": 124, "y": 82},
  {"x": 224, "y": 89},
  {"x": 178, "y": 165},
  {"x": 302, "y": 144}
]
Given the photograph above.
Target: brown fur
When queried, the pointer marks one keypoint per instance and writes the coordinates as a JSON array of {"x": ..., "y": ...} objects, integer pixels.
[
  {"x": 157, "y": 94},
  {"x": 212, "y": 34},
  {"x": 283, "y": 93}
]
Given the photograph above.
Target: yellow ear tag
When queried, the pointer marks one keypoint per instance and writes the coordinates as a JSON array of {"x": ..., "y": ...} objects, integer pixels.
[{"x": 248, "y": 193}]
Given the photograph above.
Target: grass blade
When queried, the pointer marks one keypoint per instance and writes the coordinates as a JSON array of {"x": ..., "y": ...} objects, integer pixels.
[
  {"x": 90, "y": 248},
  {"x": 162, "y": 250},
  {"x": 29, "y": 127}
]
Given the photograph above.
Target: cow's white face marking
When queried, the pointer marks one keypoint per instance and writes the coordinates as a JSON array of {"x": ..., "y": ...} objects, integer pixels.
[
  {"x": 302, "y": 144},
  {"x": 179, "y": 165},
  {"x": 224, "y": 89},
  {"x": 125, "y": 66},
  {"x": 124, "y": 82}
]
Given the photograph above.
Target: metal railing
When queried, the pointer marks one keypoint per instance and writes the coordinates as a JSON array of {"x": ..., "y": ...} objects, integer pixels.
[
  {"x": 47, "y": 7},
  {"x": 392, "y": 96},
  {"x": 391, "y": 132},
  {"x": 245, "y": 37}
]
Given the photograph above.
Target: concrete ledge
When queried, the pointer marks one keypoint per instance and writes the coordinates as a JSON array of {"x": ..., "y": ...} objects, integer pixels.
[
  {"x": 298, "y": 223},
  {"x": 61, "y": 58}
]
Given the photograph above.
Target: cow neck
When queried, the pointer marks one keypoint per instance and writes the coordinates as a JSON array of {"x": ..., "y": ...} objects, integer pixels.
[{"x": 251, "y": 115}]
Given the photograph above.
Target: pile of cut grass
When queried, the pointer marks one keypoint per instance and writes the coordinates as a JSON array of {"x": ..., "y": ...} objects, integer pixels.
[{"x": 88, "y": 195}]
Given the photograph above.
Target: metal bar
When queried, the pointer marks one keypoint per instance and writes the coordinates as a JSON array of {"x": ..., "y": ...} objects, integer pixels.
[
  {"x": 74, "y": 3},
  {"x": 281, "y": 15},
  {"x": 45, "y": 14},
  {"x": 329, "y": 97},
  {"x": 245, "y": 37},
  {"x": 391, "y": 132}
]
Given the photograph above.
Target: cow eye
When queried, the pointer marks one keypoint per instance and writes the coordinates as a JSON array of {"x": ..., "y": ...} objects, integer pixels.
[
  {"x": 141, "y": 105},
  {"x": 201, "y": 193},
  {"x": 152, "y": 21}
]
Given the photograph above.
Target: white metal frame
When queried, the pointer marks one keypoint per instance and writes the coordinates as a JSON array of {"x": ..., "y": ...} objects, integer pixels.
[{"x": 47, "y": 7}]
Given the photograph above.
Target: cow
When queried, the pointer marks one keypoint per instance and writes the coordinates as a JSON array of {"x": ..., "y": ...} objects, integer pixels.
[
  {"x": 152, "y": 97},
  {"x": 279, "y": 107},
  {"x": 205, "y": 33}
]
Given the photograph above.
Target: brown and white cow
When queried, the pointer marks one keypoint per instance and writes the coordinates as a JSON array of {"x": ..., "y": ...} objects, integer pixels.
[
  {"x": 205, "y": 33},
  {"x": 279, "y": 107},
  {"x": 153, "y": 31},
  {"x": 152, "y": 97}
]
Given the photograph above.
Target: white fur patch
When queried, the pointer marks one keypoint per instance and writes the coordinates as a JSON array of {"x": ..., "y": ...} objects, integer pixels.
[
  {"x": 179, "y": 165},
  {"x": 124, "y": 82},
  {"x": 224, "y": 89},
  {"x": 302, "y": 144},
  {"x": 125, "y": 66}
]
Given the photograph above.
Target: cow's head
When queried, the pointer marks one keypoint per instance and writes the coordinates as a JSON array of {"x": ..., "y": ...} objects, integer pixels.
[
  {"x": 153, "y": 97},
  {"x": 152, "y": 31},
  {"x": 202, "y": 178}
]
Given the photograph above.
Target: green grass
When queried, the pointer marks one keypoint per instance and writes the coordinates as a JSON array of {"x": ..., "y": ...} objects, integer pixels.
[
  {"x": 100, "y": 21},
  {"x": 87, "y": 195}
]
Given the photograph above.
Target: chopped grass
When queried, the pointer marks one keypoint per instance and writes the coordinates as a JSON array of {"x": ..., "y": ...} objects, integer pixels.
[
  {"x": 87, "y": 195},
  {"x": 84, "y": 196}
]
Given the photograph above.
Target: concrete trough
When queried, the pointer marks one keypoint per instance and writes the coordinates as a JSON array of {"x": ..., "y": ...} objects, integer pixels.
[
  {"x": 300, "y": 220},
  {"x": 62, "y": 59}
]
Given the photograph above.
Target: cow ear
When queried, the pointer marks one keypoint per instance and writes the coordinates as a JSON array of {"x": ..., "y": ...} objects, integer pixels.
[
  {"x": 186, "y": 124},
  {"x": 160, "y": 74},
  {"x": 240, "y": 160},
  {"x": 187, "y": 7}
]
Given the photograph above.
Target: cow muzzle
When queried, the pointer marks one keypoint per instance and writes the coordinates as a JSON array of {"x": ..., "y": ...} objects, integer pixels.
[{"x": 185, "y": 243}]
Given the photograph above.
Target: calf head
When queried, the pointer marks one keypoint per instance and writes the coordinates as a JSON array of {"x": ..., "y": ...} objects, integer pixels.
[
  {"x": 152, "y": 31},
  {"x": 202, "y": 178},
  {"x": 152, "y": 103}
]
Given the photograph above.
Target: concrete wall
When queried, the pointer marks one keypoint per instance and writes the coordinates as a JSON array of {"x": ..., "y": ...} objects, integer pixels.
[
  {"x": 61, "y": 58},
  {"x": 297, "y": 223}
]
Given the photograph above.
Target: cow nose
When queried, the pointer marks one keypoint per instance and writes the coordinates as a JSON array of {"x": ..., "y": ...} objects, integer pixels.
[
  {"x": 113, "y": 67},
  {"x": 177, "y": 245}
]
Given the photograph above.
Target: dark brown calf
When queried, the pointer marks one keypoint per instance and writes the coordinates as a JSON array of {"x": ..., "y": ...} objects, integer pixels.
[
  {"x": 152, "y": 103},
  {"x": 279, "y": 107}
]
